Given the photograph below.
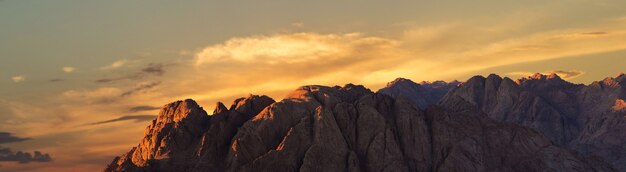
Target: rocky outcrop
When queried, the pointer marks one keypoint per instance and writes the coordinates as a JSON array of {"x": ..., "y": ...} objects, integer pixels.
[
  {"x": 350, "y": 128},
  {"x": 580, "y": 117},
  {"x": 167, "y": 141},
  {"x": 422, "y": 95},
  {"x": 184, "y": 137}
]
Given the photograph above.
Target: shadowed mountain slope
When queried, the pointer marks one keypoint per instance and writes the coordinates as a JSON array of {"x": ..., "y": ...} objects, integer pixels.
[{"x": 586, "y": 118}]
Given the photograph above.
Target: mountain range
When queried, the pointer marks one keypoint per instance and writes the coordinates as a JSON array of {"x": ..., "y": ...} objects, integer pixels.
[{"x": 536, "y": 123}]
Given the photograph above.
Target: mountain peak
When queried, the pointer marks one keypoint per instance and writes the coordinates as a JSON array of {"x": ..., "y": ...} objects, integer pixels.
[
  {"x": 611, "y": 82},
  {"x": 422, "y": 95},
  {"x": 493, "y": 78},
  {"x": 478, "y": 79},
  {"x": 493, "y": 75},
  {"x": 398, "y": 81},
  {"x": 252, "y": 103},
  {"x": 219, "y": 108},
  {"x": 621, "y": 77},
  {"x": 438, "y": 83},
  {"x": 347, "y": 93},
  {"x": 352, "y": 87},
  {"x": 179, "y": 110},
  {"x": 539, "y": 76},
  {"x": 551, "y": 79}
]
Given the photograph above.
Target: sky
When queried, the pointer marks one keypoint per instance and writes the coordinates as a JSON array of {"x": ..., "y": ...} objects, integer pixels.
[{"x": 80, "y": 80}]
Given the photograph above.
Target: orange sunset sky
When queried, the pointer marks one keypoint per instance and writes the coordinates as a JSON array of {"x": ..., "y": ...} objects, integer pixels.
[{"x": 80, "y": 80}]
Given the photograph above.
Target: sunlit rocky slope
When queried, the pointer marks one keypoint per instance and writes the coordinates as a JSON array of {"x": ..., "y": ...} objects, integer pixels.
[{"x": 539, "y": 123}]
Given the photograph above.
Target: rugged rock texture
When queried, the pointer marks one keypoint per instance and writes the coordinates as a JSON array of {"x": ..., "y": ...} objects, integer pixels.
[
  {"x": 423, "y": 94},
  {"x": 350, "y": 128},
  {"x": 167, "y": 140},
  {"x": 588, "y": 119},
  {"x": 184, "y": 137}
]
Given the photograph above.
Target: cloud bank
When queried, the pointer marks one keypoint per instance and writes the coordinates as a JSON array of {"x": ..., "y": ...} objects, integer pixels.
[
  {"x": 7, "y": 154},
  {"x": 6, "y": 137}
]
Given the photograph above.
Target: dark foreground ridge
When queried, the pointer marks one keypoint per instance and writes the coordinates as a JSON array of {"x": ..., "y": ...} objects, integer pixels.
[{"x": 539, "y": 123}]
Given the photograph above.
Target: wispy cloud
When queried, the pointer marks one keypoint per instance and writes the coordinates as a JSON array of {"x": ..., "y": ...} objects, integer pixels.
[
  {"x": 99, "y": 95},
  {"x": 57, "y": 80},
  {"x": 568, "y": 74},
  {"x": 18, "y": 78},
  {"x": 152, "y": 69},
  {"x": 143, "y": 108},
  {"x": 140, "y": 88},
  {"x": 297, "y": 24},
  {"x": 115, "y": 64},
  {"x": 136, "y": 118},
  {"x": 289, "y": 48},
  {"x": 68, "y": 69}
]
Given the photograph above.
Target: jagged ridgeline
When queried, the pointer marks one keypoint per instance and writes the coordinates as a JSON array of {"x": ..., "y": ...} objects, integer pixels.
[{"x": 538, "y": 123}]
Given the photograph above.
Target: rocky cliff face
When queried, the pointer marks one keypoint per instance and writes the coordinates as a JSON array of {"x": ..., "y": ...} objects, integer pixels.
[
  {"x": 586, "y": 118},
  {"x": 184, "y": 137},
  {"x": 350, "y": 128}
]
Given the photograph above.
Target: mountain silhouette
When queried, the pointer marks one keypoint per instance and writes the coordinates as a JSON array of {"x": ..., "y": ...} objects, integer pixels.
[{"x": 537, "y": 123}]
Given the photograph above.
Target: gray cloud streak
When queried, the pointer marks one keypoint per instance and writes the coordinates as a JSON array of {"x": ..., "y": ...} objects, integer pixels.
[
  {"x": 154, "y": 69},
  {"x": 6, "y": 154},
  {"x": 136, "y": 118},
  {"x": 6, "y": 137},
  {"x": 143, "y": 108},
  {"x": 141, "y": 88}
]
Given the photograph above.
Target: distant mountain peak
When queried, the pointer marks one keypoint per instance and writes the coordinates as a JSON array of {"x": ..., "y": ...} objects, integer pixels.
[
  {"x": 542, "y": 79},
  {"x": 621, "y": 77},
  {"x": 351, "y": 86},
  {"x": 439, "y": 83},
  {"x": 219, "y": 108},
  {"x": 422, "y": 95},
  {"x": 401, "y": 81},
  {"x": 474, "y": 80},
  {"x": 611, "y": 82},
  {"x": 408, "y": 82},
  {"x": 493, "y": 75},
  {"x": 539, "y": 76}
]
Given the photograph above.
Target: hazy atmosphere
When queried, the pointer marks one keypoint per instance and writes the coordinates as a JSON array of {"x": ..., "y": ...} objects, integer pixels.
[{"x": 80, "y": 80}]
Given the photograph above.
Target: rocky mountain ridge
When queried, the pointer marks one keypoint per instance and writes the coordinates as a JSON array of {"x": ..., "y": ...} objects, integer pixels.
[
  {"x": 575, "y": 116},
  {"x": 484, "y": 124}
]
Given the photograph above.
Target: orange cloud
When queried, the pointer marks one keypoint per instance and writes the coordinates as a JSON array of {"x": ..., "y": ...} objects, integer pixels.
[
  {"x": 289, "y": 48},
  {"x": 18, "y": 78},
  {"x": 68, "y": 69}
]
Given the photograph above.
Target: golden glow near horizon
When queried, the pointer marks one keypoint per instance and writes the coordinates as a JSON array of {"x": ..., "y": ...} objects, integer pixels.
[{"x": 68, "y": 65}]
